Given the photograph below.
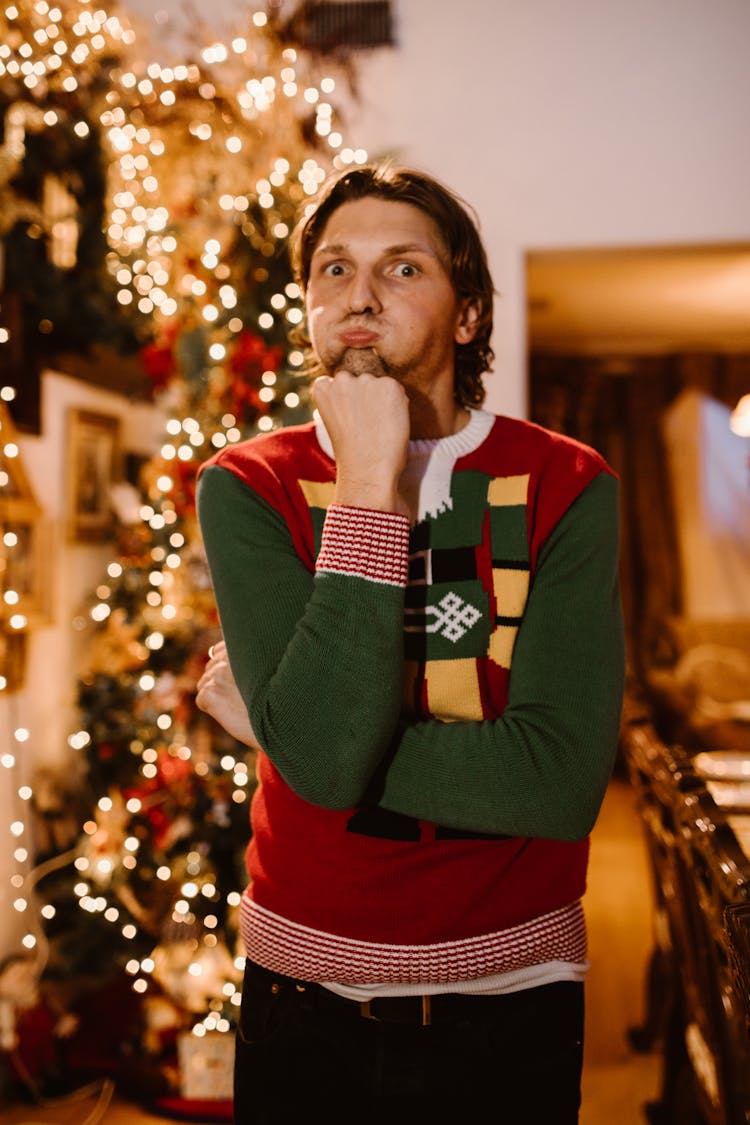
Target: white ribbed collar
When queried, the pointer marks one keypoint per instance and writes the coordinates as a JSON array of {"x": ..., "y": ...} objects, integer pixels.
[{"x": 426, "y": 479}]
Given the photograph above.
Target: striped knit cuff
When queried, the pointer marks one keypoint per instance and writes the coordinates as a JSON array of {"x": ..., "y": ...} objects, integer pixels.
[{"x": 365, "y": 543}]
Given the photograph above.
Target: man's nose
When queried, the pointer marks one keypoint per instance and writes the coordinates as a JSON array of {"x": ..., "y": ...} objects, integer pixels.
[{"x": 363, "y": 293}]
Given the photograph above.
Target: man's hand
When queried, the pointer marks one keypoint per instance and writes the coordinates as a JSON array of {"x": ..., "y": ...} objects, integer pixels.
[
  {"x": 219, "y": 697},
  {"x": 367, "y": 419}
]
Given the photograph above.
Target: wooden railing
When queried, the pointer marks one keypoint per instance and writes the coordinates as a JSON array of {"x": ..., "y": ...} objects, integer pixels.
[{"x": 697, "y": 1010}]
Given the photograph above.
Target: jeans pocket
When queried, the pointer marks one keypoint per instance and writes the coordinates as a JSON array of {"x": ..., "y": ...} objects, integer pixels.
[{"x": 265, "y": 1005}]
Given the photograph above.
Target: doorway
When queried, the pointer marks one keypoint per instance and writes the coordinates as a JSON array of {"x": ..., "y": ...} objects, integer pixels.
[{"x": 615, "y": 336}]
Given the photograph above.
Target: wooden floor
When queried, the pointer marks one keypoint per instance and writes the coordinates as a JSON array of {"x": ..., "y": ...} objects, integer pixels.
[{"x": 616, "y": 1081}]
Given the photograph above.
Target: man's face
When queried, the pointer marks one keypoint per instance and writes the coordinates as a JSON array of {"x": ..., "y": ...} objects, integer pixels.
[{"x": 380, "y": 296}]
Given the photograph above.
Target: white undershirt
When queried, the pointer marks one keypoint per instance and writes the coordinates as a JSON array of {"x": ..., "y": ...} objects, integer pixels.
[{"x": 425, "y": 482}]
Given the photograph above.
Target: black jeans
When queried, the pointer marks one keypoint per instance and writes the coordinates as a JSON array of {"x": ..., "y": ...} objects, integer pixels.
[{"x": 304, "y": 1054}]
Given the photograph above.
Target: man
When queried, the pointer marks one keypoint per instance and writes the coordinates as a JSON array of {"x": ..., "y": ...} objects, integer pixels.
[{"x": 420, "y": 608}]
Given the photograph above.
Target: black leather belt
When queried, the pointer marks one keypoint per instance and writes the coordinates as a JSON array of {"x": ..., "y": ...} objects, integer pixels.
[
  {"x": 418, "y": 1011},
  {"x": 398, "y": 1009}
]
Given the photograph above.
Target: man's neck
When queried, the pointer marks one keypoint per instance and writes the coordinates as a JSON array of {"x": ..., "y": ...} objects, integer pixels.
[{"x": 430, "y": 419}]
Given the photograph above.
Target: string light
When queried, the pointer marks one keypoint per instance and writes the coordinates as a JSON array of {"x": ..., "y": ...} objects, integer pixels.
[{"x": 16, "y": 622}]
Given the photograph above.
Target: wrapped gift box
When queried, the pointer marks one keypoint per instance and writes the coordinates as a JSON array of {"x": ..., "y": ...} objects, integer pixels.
[{"x": 206, "y": 1065}]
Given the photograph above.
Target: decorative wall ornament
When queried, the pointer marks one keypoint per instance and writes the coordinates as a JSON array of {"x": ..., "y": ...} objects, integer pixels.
[{"x": 93, "y": 467}]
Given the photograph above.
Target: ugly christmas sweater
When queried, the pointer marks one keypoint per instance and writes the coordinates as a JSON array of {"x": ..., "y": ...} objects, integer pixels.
[{"x": 438, "y": 703}]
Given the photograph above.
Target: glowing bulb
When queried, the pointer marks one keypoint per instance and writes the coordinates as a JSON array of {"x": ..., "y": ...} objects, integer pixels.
[{"x": 739, "y": 422}]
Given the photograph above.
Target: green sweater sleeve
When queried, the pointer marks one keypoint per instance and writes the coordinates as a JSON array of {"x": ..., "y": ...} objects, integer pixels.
[
  {"x": 318, "y": 659},
  {"x": 319, "y": 663},
  {"x": 542, "y": 768}
]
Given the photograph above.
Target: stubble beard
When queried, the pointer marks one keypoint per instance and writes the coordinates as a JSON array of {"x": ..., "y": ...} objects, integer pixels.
[{"x": 360, "y": 361}]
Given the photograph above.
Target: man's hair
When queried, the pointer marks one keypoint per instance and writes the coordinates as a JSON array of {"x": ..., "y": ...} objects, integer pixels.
[{"x": 468, "y": 260}]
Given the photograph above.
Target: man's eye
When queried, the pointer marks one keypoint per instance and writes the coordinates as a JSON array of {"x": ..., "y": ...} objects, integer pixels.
[
  {"x": 405, "y": 269},
  {"x": 334, "y": 269}
]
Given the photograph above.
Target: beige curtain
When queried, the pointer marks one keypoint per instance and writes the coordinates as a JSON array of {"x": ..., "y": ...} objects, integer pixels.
[{"x": 617, "y": 405}]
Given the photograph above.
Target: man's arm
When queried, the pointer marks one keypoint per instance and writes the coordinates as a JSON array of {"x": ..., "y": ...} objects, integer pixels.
[
  {"x": 318, "y": 659},
  {"x": 542, "y": 768},
  {"x": 318, "y": 662}
]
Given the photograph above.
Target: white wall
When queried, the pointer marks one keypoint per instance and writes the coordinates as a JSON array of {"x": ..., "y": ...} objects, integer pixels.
[
  {"x": 76, "y": 567},
  {"x": 46, "y": 704}
]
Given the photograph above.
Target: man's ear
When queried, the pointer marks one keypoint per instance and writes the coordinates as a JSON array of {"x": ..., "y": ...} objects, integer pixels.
[{"x": 468, "y": 321}]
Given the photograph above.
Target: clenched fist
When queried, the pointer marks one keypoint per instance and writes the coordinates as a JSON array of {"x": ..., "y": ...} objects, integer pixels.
[{"x": 367, "y": 419}]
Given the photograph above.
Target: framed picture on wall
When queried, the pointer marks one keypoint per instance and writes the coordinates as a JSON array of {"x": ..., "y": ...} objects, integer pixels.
[{"x": 93, "y": 467}]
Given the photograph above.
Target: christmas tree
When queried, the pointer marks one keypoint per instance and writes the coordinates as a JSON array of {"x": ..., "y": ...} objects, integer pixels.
[{"x": 156, "y": 201}]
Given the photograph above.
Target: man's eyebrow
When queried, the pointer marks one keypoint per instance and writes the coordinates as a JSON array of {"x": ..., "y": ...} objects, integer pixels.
[
  {"x": 411, "y": 248},
  {"x": 330, "y": 248},
  {"x": 335, "y": 248}
]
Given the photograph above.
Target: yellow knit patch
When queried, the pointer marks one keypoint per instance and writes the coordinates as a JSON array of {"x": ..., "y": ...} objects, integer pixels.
[
  {"x": 501, "y": 644},
  {"x": 504, "y": 491},
  {"x": 453, "y": 689},
  {"x": 511, "y": 589},
  {"x": 318, "y": 493}
]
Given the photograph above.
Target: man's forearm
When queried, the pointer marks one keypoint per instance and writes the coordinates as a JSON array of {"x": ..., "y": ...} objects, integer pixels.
[{"x": 318, "y": 660}]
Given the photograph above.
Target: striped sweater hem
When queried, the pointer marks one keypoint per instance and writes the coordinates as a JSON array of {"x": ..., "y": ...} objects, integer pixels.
[{"x": 308, "y": 954}]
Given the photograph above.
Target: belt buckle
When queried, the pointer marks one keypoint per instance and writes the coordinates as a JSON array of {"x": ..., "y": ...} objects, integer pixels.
[{"x": 366, "y": 1012}]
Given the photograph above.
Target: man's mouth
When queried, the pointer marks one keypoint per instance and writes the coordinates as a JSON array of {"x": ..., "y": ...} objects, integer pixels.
[{"x": 358, "y": 338}]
